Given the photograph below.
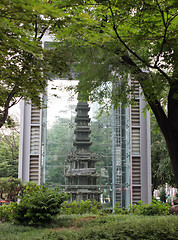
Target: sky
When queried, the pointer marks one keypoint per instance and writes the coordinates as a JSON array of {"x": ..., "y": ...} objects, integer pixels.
[{"x": 60, "y": 102}]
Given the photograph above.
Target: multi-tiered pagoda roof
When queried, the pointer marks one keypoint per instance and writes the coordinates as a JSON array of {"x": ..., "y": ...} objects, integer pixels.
[{"x": 82, "y": 176}]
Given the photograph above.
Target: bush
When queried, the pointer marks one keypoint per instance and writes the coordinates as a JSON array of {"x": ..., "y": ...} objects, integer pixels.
[
  {"x": 10, "y": 188},
  {"x": 154, "y": 208},
  {"x": 64, "y": 221},
  {"x": 125, "y": 227},
  {"x": 119, "y": 210},
  {"x": 6, "y": 211},
  {"x": 175, "y": 201},
  {"x": 38, "y": 205},
  {"x": 162, "y": 195},
  {"x": 81, "y": 207}
]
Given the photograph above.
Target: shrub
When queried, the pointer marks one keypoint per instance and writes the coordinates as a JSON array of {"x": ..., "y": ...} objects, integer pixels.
[
  {"x": 175, "y": 201},
  {"x": 38, "y": 205},
  {"x": 154, "y": 208},
  {"x": 6, "y": 211},
  {"x": 119, "y": 210},
  {"x": 64, "y": 221},
  {"x": 81, "y": 207},
  {"x": 162, "y": 195},
  {"x": 125, "y": 227},
  {"x": 10, "y": 188}
]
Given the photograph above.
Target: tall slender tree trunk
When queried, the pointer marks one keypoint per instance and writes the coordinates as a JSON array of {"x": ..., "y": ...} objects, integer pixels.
[
  {"x": 172, "y": 139},
  {"x": 172, "y": 144},
  {"x": 168, "y": 124},
  {"x": 5, "y": 111},
  {"x": 169, "y": 127}
]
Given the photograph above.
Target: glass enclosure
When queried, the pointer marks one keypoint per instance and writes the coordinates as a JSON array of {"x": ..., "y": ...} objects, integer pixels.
[{"x": 112, "y": 148}]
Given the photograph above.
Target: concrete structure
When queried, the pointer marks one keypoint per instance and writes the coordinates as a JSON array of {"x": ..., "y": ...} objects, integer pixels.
[
  {"x": 30, "y": 158},
  {"x": 131, "y": 152}
]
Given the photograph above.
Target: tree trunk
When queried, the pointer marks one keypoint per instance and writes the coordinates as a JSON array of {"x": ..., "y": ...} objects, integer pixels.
[
  {"x": 172, "y": 144},
  {"x": 172, "y": 139},
  {"x": 4, "y": 113},
  {"x": 169, "y": 128},
  {"x": 168, "y": 124}
]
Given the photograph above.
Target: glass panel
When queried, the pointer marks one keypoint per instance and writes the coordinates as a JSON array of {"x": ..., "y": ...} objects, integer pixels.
[{"x": 58, "y": 134}]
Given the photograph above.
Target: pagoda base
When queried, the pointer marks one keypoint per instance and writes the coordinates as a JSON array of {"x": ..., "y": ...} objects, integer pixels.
[{"x": 83, "y": 193}]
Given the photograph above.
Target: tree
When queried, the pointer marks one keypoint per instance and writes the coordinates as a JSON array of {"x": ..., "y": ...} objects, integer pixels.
[
  {"x": 119, "y": 37},
  {"x": 10, "y": 189},
  {"x": 25, "y": 65},
  {"x": 162, "y": 195},
  {"x": 101, "y": 132},
  {"x": 160, "y": 162},
  {"x": 9, "y": 152},
  {"x": 59, "y": 144}
]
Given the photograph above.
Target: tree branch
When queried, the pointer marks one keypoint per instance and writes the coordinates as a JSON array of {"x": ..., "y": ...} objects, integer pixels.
[
  {"x": 162, "y": 13},
  {"x": 43, "y": 32},
  {"x": 172, "y": 18},
  {"x": 151, "y": 98},
  {"x": 36, "y": 28},
  {"x": 7, "y": 106},
  {"x": 166, "y": 25},
  {"x": 131, "y": 51},
  {"x": 120, "y": 39}
]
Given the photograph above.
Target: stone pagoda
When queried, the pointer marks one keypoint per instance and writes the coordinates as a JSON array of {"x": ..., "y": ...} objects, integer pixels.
[{"x": 81, "y": 175}]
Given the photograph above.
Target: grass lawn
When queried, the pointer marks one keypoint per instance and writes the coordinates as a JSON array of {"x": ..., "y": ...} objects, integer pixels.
[
  {"x": 88, "y": 227},
  {"x": 10, "y": 231}
]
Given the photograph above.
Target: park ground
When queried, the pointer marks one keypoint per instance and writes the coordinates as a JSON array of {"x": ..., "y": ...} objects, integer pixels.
[{"x": 96, "y": 227}]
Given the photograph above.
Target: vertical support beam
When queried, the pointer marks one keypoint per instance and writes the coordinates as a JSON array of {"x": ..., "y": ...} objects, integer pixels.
[
  {"x": 120, "y": 157},
  {"x": 44, "y": 140},
  {"x": 145, "y": 146},
  {"x": 24, "y": 142},
  {"x": 127, "y": 159},
  {"x": 113, "y": 164},
  {"x": 30, "y": 144}
]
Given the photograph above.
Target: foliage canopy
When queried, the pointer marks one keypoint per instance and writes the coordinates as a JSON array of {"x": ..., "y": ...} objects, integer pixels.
[
  {"x": 108, "y": 39},
  {"x": 25, "y": 65},
  {"x": 9, "y": 152},
  {"x": 116, "y": 39}
]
